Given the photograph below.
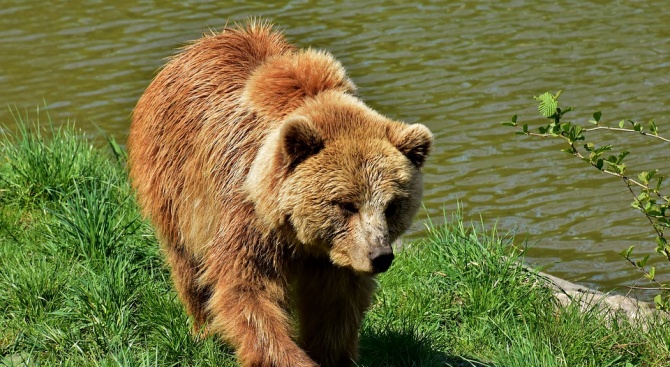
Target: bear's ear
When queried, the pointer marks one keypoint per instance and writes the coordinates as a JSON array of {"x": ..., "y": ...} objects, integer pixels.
[
  {"x": 414, "y": 141},
  {"x": 299, "y": 140}
]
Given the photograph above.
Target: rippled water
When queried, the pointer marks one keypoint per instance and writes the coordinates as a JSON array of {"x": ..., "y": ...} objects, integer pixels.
[{"x": 458, "y": 67}]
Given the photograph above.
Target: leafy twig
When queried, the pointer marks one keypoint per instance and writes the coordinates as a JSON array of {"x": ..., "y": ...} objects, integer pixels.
[{"x": 656, "y": 212}]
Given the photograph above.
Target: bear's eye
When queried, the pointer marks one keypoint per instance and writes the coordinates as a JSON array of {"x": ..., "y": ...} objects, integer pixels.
[
  {"x": 391, "y": 209},
  {"x": 348, "y": 208}
]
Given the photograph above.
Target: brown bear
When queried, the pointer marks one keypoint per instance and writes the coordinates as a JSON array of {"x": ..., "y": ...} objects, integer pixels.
[{"x": 276, "y": 193}]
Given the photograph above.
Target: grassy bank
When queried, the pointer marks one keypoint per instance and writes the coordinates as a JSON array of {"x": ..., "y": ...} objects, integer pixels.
[{"x": 82, "y": 283}]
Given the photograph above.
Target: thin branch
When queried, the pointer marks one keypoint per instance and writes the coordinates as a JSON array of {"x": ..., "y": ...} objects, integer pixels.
[
  {"x": 624, "y": 177},
  {"x": 576, "y": 153},
  {"x": 644, "y": 272},
  {"x": 648, "y": 288},
  {"x": 599, "y": 127},
  {"x": 540, "y": 135}
]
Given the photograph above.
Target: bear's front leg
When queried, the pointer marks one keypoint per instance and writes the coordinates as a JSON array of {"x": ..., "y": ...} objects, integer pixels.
[
  {"x": 331, "y": 304},
  {"x": 250, "y": 314}
]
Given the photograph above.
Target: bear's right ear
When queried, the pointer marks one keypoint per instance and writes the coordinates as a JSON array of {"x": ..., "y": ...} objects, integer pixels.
[
  {"x": 414, "y": 141},
  {"x": 299, "y": 140}
]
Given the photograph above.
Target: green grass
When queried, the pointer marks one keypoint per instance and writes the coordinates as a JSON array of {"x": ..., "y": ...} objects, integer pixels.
[{"x": 82, "y": 283}]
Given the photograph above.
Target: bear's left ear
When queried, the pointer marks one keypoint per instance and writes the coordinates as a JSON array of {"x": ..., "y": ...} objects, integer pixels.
[
  {"x": 414, "y": 141},
  {"x": 299, "y": 140}
]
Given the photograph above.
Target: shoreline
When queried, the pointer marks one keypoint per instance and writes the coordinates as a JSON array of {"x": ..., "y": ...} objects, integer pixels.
[{"x": 567, "y": 293}]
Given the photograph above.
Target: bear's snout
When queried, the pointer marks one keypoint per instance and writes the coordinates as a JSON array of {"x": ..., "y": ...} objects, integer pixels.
[{"x": 381, "y": 258}]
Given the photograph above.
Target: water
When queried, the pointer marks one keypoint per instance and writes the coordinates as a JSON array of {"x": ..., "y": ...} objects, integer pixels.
[{"x": 459, "y": 67}]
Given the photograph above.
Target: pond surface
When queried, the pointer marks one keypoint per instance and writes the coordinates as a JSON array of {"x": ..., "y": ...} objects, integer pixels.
[{"x": 459, "y": 67}]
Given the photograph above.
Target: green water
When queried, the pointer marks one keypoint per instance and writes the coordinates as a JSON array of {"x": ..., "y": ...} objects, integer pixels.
[{"x": 458, "y": 67}]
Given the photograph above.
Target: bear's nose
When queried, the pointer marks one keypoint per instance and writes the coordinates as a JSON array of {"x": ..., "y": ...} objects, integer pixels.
[{"x": 381, "y": 258}]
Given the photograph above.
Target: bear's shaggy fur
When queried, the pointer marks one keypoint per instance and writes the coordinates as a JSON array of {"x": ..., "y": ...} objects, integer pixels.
[{"x": 276, "y": 193}]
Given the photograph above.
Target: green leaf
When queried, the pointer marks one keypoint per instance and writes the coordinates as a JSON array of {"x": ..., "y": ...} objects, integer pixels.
[
  {"x": 643, "y": 262},
  {"x": 514, "y": 119},
  {"x": 604, "y": 148},
  {"x": 665, "y": 222},
  {"x": 659, "y": 182},
  {"x": 576, "y": 133},
  {"x": 644, "y": 177},
  {"x": 652, "y": 127},
  {"x": 637, "y": 127},
  {"x": 661, "y": 241},
  {"x": 508, "y": 123},
  {"x": 525, "y": 128},
  {"x": 566, "y": 126},
  {"x": 643, "y": 197},
  {"x": 548, "y": 104},
  {"x": 658, "y": 300},
  {"x": 654, "y": 211},
  {"x": 651, "y": 174},
  {"x": 596, "y": 116},
  {"x": 647, "y": 208},
  {"x": 626, "y": 253},
  {"x": 622, "y": 155},
  {"x": 600, "y": 163},
  {"x": 621, "y": 123},
  {"x": 652, "y": 273},
  {"x": 569, "y": 150}
]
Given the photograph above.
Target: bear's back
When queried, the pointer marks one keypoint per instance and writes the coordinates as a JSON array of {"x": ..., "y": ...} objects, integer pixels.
[{"x": 189, "y": 118}]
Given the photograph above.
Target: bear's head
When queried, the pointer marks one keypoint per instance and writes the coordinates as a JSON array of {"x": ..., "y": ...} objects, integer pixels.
[{"x": 345, "y": 180}]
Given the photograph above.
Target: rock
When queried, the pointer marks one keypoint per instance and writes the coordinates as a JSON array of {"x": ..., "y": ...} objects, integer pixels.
[{"x": 567, "y": 293}]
